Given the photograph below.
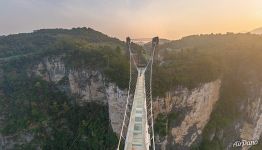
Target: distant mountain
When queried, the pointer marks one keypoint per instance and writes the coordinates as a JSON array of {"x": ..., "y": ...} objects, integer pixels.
[
  {"x": 161, "y": 42},
  {"x": 257, "y": 31},
  {"x": 44, "y": 40}
]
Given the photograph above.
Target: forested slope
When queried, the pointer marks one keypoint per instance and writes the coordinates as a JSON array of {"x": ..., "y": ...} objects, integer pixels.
[{"x": 35, "y": 108}]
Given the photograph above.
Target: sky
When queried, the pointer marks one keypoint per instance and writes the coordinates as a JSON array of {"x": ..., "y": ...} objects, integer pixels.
[{"x": 170, "y": 19}]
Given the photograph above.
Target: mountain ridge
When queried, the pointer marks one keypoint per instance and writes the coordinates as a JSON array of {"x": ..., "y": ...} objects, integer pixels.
[
  {"x": 257, "y": 31},
  {"x": 77, "y": 64}
]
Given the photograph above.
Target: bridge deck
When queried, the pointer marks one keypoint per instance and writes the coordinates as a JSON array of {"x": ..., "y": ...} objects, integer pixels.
[{"x": 137, "y": 136}]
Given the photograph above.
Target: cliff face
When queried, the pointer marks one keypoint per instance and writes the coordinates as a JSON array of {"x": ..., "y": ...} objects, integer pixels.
[
  {"x": 192, "y": 108},
  {"x": 88, "y": 85},
  {"x": 85, "y": 83},
  {"x": 116, "y": 106},
  {"x": 187, "y": 111},
  {"x": 251, "y": 126},
  {"x": 200, "y": 103}
]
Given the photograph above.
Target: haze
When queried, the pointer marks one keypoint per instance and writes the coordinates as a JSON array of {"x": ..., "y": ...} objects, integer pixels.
[{"x": 170, "y": 19}]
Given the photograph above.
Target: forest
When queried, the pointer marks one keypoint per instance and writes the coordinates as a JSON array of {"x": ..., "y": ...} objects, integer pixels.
[{"x": 30, "y": 104}]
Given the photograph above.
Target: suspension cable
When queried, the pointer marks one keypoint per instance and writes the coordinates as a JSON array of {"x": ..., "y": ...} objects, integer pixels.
[
  {"x": 128, "y": 95},
  {"x": 132, "y": 55},
  {"x": 152, "y": 57},
  {"x": 151, "y": 98},
  {"x": 150, "y": 62}
]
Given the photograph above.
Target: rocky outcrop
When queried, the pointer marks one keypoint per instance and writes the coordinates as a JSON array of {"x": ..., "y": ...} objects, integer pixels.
[
  {"x": 252, "y": 125},
  {"x": 116, "y": 105},
  {"x": 13, "y": 141},
  {"x": 87, "y": 84},
  {"x": 193, "y": 107}
]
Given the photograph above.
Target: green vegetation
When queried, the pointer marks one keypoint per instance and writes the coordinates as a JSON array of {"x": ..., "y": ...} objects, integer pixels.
[
  {"x": 258, "y": 146},
  {"x": 233, "y": 58},
  {"x": 82, "y": 47},
  {"x": 198, "y": 59},
  {"x": 112, "y": 62},
  {"x": 161, "y": 125},
  {"x": 37, "y": 106},
  {"x": 50, "y": 40}
]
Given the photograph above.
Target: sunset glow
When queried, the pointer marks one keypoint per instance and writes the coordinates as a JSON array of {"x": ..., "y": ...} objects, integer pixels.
[{"x": 138, "y": 18}]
